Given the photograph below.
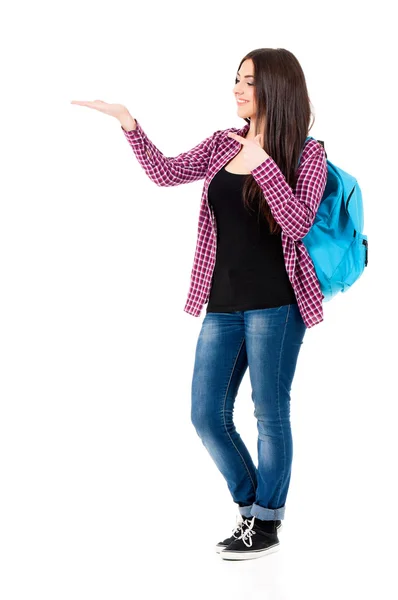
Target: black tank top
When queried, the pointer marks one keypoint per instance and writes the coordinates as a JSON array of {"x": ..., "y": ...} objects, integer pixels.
[{"x": 250, "y": 270}]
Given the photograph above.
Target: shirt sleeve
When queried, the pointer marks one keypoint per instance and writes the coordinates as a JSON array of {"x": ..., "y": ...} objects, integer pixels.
[
  {"x": 295, "y": 211},
  {"x": 168, "y": 171}
]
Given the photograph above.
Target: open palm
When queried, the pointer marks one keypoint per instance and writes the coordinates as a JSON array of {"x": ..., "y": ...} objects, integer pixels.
[{"x": 115, "y": 110}]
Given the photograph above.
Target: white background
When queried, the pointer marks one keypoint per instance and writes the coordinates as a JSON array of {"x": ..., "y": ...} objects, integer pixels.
[{"x": 106, "y": 490}]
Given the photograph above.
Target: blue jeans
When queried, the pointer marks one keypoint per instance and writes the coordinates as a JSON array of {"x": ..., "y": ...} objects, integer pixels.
[{"x": 267, "y": 341}]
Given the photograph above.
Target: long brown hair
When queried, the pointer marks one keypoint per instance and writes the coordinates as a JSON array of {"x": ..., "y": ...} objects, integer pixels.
[{"x": 284, "y": 109}]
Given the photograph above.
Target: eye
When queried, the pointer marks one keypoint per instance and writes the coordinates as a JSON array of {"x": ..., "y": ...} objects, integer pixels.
[{"x": 236, "y": 81}]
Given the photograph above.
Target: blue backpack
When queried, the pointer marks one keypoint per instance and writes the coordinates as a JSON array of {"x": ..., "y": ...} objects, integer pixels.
[{"x": 336, "y": 242}]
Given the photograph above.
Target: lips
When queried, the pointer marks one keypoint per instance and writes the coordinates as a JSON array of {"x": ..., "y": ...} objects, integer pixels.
[{"x": 240, "y": 101}]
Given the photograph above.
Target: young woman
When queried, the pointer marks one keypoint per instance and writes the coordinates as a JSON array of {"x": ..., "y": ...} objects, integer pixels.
[{"x": 254, "y": 272}]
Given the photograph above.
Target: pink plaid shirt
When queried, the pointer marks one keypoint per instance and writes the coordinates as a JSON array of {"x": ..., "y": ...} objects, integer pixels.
[{"x": 294, "y": 210}]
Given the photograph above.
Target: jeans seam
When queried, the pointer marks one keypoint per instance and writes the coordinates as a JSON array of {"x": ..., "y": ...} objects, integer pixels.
[
  {"x": 279, "y": 407},
  {"x": 226, "y": 429}
]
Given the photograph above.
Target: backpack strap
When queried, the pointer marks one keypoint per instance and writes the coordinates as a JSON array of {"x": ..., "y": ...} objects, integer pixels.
[{"x": 323, "y": 146}]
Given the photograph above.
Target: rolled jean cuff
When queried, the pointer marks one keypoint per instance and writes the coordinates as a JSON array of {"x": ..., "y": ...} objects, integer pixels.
[
  {"x": 245, "y": 510},
  {"x": 267, "y": 514}
]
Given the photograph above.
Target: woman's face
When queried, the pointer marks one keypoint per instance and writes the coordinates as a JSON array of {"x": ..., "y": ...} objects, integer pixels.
[{"x": 244, "y": 90}]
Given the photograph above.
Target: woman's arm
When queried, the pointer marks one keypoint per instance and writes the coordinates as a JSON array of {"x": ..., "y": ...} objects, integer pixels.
[
  {"x": 167, "y": 171},
  {"x": 295, "y": 212}
]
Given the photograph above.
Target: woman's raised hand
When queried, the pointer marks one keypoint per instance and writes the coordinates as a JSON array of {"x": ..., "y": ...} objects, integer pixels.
[
  {"x": 115, "y": 110},
  {"x": 119, "y": 111}
]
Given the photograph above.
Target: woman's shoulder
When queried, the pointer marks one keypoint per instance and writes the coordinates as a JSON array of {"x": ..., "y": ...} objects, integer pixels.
[{"x": 312, "y": 148}]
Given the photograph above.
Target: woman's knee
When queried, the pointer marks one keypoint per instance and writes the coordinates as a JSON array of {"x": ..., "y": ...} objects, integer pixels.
[
  {"x": 207, "y": 421},
  {"x": 200, "y": 416}
]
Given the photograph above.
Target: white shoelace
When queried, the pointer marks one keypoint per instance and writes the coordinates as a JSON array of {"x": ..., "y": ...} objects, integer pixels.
[
  {"x": 248, "y": 533},
  {"x": 239, "y": 525}
]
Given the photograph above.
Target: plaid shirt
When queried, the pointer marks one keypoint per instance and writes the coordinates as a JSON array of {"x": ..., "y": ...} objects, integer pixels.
[{"x": 293, "y": 211}]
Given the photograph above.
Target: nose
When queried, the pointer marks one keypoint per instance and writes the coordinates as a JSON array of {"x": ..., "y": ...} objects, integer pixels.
[
  {"x": 237, "y": 95},
  {"x": 236, "y": 89}
]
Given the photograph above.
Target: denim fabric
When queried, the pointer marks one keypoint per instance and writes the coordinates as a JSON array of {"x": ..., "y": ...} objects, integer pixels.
[{"x": 267, "y": 341}]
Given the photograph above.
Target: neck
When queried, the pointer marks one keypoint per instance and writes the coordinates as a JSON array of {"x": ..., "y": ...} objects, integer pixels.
[{"x": 251, "y": 134}]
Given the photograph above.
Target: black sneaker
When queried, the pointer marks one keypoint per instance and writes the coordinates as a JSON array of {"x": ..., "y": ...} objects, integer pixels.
[
  {"x": 241, "y": 524},
  {"x": 259, "y": 538}
]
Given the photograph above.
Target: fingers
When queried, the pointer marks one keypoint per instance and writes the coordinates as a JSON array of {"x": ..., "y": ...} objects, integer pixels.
[
  {"x": 88, "y": 103},
  {"x": 237, "y": 137},
  {"x": 258, "y": 139}
]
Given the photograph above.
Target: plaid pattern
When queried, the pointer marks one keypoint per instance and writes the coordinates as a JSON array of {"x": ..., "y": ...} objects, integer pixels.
[{"x": 294, "y": 211}]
